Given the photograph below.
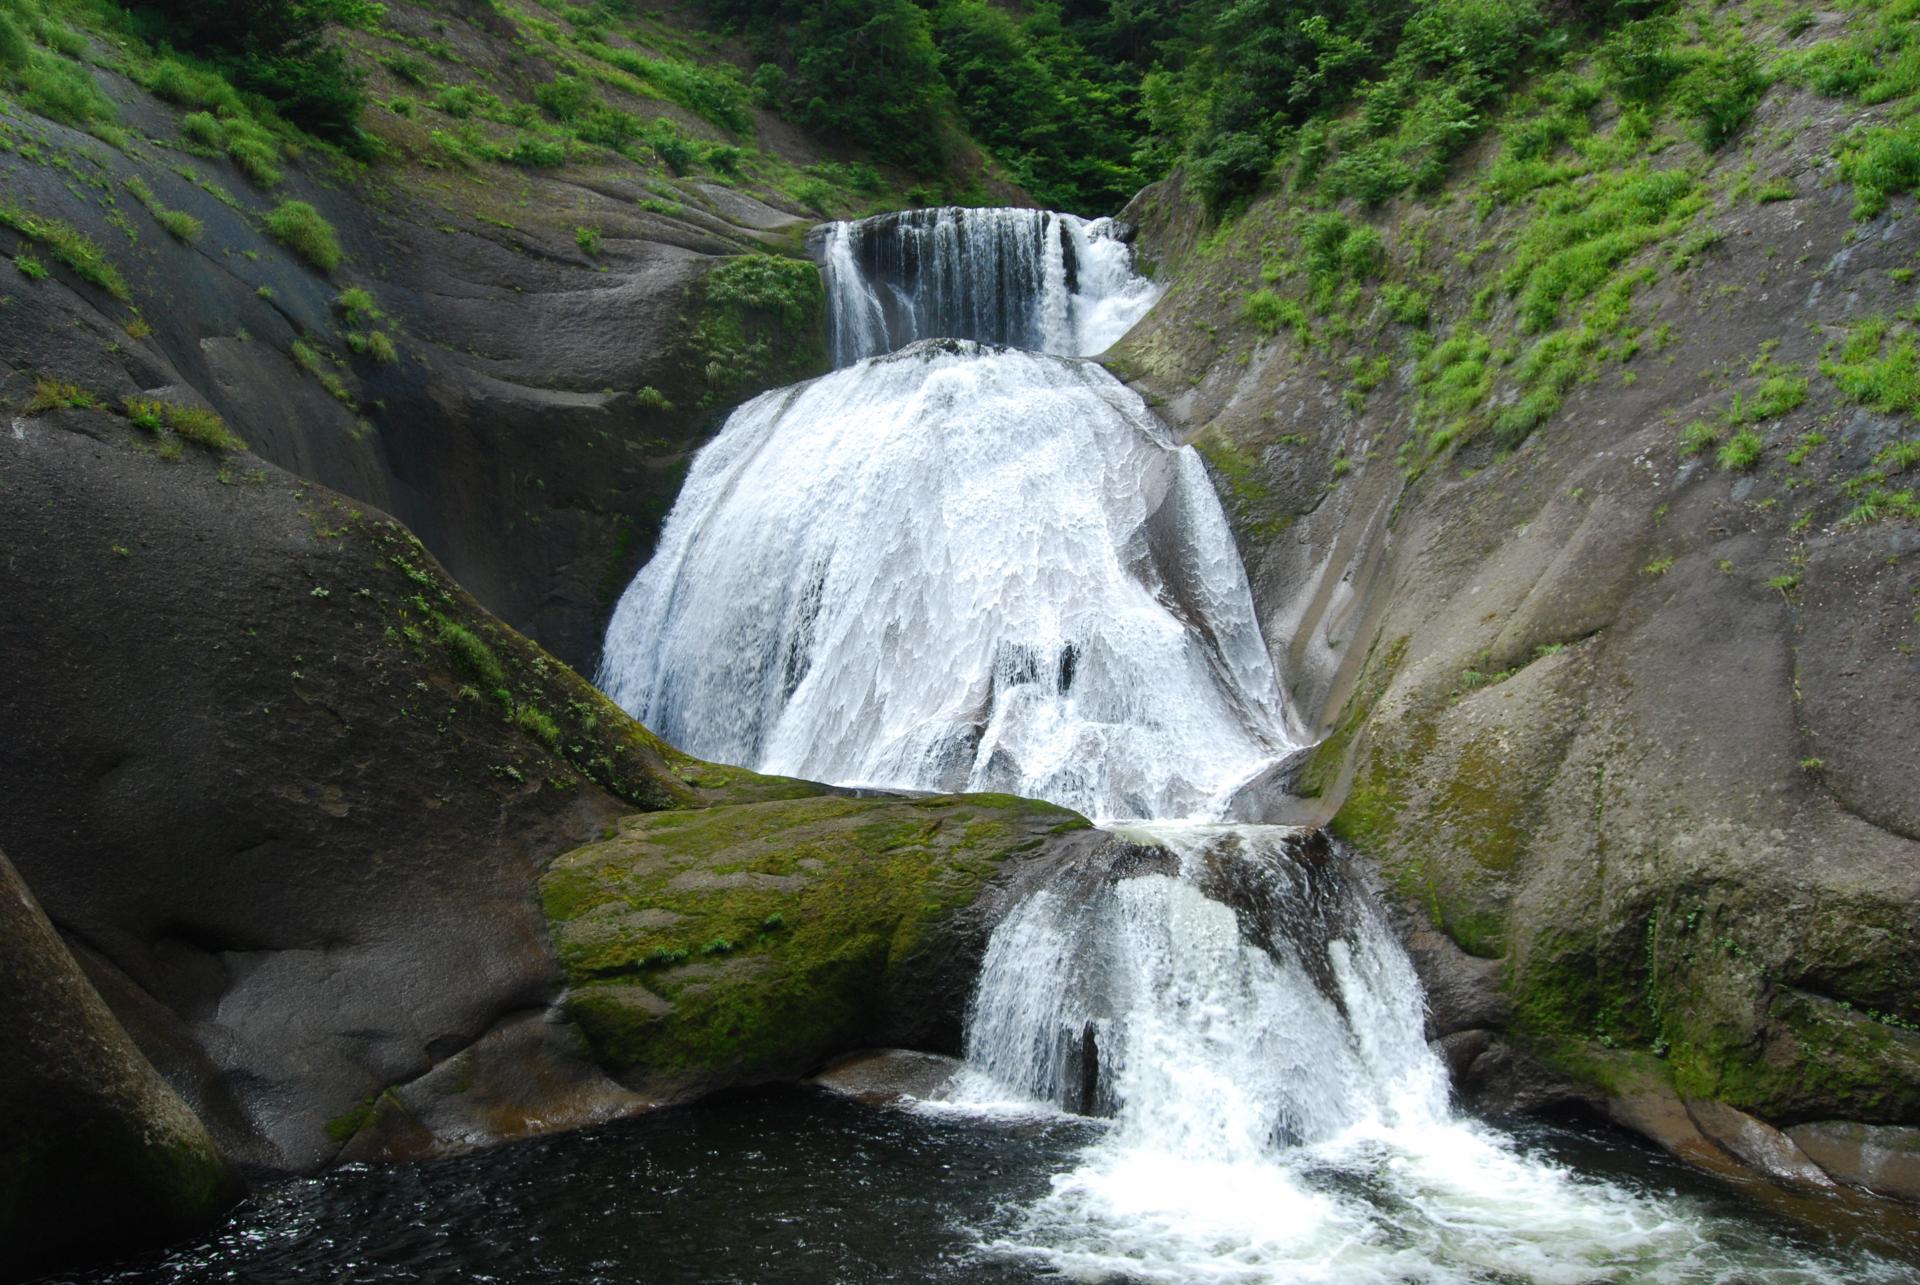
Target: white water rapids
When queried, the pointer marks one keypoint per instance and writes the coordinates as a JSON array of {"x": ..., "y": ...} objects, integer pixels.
[{"x": 964, "y": 567}]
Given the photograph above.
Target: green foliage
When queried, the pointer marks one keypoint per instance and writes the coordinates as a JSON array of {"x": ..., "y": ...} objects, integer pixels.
[
  {"x": 30, "y": 268},
  {"x": 1697, "y": 437},
  {"x": 1582, "y": 235},
  {"x": 1877, "y": 366},
  {"x": 274, "y": 48},
  {"x": 537, "y": 723},
  {"x": 588, "y": 239},
  {"x": 55, "y": 394},
  {"x": 1881, "y": 162},
  {"x": 69, "y": 245},
  {"x": 864, "y": 69},
  {"x": 193, "y": 423},
  {"x": 1777, "y": 396},
  {"x": 182, "y": 225},
  {"x": 1030, "y": 92},
  {"x": 1267, "y": 312},
  {"x": 299, "y": 227},
  {"x": 471, "y": 655},
  {"x": 1741, "y": 451}
]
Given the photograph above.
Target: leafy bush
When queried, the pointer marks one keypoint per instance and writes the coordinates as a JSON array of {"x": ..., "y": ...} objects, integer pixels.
[
  {"x": 299, "y": 227},
  {"x": 277, "y": 49}
]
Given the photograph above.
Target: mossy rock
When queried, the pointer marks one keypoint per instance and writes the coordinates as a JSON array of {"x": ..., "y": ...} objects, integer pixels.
[{"x": 748, "y": 943}]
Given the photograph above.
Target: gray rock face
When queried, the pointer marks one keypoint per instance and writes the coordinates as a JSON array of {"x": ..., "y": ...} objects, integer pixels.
[
  {"x": 1628, "y": 735},
  {"x": 289, "y": 794},
  {"x": 99, "y": 1154},
  {"x": 510, "y": 434}
]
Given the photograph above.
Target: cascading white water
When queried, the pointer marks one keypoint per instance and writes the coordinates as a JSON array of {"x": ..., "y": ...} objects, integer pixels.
[
  {"x": 955, "y": 568},
  {"x": 965, "y": 567},
  {"x": 1028, "y": 278}
]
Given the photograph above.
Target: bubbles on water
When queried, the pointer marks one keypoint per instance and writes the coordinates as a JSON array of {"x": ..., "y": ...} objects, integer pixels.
[{"x": 1277, "y": 1114}]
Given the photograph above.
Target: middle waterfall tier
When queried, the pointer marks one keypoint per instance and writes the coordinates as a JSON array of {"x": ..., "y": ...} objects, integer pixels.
[{"x": 954, "y": 568}]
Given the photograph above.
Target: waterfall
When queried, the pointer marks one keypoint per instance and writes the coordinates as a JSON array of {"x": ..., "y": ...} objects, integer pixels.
[
  {"x": 952, "y": 565},
  {"x": 956, "y": 568},
  {"x": 1026, "y": 278},
  {"x": 1247, "y": 1000}
]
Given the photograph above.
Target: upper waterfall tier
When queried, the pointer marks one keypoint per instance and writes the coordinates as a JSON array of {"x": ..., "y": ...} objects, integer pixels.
[
  {"x": 1026, "y": 278},
  {"x": 956, "y": 568}
]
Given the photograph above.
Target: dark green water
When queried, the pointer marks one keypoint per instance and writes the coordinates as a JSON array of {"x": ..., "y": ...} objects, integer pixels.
[{"x": 791, "y": 1185}]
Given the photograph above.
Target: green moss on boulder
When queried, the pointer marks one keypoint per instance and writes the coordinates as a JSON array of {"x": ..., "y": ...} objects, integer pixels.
[{"x": 744, "y": 943}]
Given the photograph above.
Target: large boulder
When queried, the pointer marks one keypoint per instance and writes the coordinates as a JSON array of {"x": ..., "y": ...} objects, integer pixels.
[
  {"x": 289, "y": 794},
  {"x": 97, "y": 1154}
]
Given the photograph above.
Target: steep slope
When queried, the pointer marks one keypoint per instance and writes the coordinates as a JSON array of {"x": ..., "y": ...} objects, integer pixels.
[
  {"x": 1573, "y": 498},
  {"x": 562, "y": 247}
]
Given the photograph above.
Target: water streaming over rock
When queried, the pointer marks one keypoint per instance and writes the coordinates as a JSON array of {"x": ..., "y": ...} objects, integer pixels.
[
  {"x": 950, "y": 568},
  {"x": 1028, "y": 278},
  {"x": 961, "y": 566}
]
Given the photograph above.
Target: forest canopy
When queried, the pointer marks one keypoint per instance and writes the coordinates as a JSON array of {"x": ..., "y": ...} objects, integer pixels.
[{"x": 1083, "y": 101}]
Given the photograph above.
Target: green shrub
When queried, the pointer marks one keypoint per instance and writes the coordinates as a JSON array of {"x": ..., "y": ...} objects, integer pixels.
[
  {"x": 30, "y": 268},
  {"x": 15, "y": 48},
  {"x": 651, "y": 398},
  {"x": 203, "y": 426},
  {"x": 299, "y": 227},
  {"x": 62, "y": 91},
  {"x": 1776, "y": 396},
  {"x": 564, "y": 97},
  {"x": 380, "y": 348},
  {"x": 588, "y": 239}
]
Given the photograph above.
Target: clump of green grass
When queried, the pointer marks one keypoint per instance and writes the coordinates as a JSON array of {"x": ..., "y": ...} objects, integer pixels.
[
  {"x": 651, "y": 398},
  {"x": 183, "y": 226},
  {"x": 1697, "y": 437},
  {"x": 193, "y": 423},
  {"x": 299, "y": 227},
  {"x": 1267, "y": 312},
  {"x": 588, "y": 239},
  {"x": 539, "y": 724},
  {"x": 30, "y": 268},
  {"x": 1741, "y": 451},
  {"x": 69, "y": 245},
  {"x": 1881, "y": 163},
  {"x": 1778, "y": 395},
  {"x": 1877, "y": 367},
  {"x": 357, "y": 304},
  {"x": 472, "y": 655},
  {"x": 58, "y": 394}
]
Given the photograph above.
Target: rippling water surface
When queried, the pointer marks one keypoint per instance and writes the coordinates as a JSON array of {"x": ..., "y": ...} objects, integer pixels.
[{"x": 791, "y": 1185}]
